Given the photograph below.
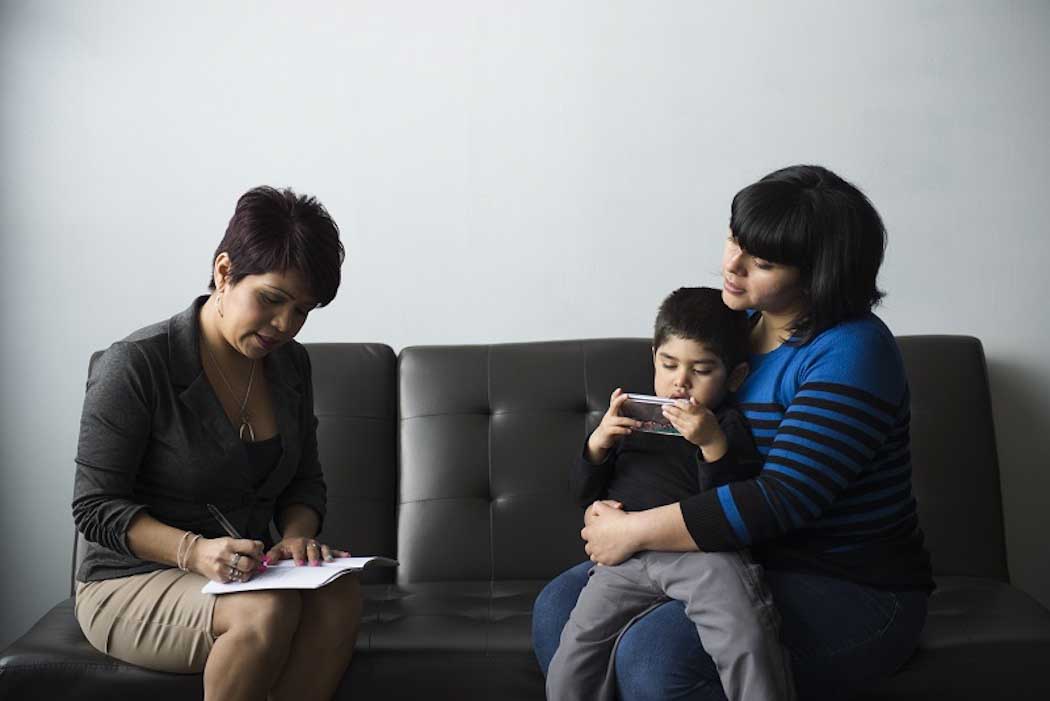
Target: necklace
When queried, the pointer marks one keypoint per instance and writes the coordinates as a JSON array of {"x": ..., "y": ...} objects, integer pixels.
[{"x": 245, "y": 424}]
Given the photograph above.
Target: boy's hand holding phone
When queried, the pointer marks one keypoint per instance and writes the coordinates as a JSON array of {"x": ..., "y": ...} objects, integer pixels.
[
  {"x": 699, "y": 426},
  {"x": 612, "y": 428}
]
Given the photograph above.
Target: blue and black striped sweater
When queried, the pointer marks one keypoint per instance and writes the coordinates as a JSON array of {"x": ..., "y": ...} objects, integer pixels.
[{"x": 830, "y": 419}]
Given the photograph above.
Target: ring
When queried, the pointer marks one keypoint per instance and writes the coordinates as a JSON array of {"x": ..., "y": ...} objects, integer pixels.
[
  {"x": 233, "y": 561},
  {"x": 315, "y": 544}
]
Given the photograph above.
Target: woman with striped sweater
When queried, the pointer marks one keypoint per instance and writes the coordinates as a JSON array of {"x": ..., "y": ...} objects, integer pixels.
[{"x": 831, "y": 515}]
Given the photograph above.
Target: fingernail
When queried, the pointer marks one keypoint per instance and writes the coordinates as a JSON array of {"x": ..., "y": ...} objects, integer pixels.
[
  {"x": 266, "y": 559},
  {"x": 298, "y": 563}
]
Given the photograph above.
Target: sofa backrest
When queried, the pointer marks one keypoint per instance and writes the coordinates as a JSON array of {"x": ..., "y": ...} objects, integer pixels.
[
  {"x": 955, "y": 468},
  {"x": 355, "y": 400},
  {"x": 488, "y": 432},
  {"x": 487, "y": 435}
]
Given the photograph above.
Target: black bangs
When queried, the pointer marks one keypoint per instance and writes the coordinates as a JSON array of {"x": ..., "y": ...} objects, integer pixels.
[{"x": 773, "y": 220}]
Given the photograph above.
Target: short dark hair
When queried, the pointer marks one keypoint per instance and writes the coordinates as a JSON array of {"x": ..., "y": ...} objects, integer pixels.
[
  {"x": 278, "y": 230},
  {"x": 699, "y": 314},
  {"x": 808, "y": 217}
]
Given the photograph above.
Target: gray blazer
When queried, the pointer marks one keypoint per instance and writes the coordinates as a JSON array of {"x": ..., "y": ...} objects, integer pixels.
[{"x": 154, "y": 436}]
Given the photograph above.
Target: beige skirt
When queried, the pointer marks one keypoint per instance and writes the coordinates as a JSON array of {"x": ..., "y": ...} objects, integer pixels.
[{"x": 159, "y": 620}]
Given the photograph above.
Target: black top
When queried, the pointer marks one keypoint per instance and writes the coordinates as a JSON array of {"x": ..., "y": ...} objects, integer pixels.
[
  {"x": 263, "y": 457},
  {"x": 646, "y": 470},
  {"x": 154, "y": 437}
]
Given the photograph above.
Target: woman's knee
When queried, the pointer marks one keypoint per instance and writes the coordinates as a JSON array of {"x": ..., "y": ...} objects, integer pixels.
[
  {"x": 556, "y": 600},
  {"x": 660, "y": 657},
  {"x": 334, "y": 611},
  {"x": 270, "y": 616},
  {"x": 279, "y": 610},
  {"x": 640, "y": 673}
]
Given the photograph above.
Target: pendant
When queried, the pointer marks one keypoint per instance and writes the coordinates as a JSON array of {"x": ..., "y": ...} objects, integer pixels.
[{"x": 246, "y": 425}]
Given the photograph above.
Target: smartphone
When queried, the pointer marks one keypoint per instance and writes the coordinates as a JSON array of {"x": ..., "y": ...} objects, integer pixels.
[{"x": 649, "y": 410}]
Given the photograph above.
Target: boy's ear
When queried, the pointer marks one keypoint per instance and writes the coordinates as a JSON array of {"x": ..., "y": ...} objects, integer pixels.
[{"x": 737, "y": 377}]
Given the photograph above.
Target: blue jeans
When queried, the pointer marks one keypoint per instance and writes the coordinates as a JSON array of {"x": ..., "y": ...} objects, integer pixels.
[{"x": 842, "y": 636}]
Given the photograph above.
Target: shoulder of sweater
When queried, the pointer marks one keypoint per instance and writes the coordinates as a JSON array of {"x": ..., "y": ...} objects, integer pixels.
[
  {"x": 859, "y": 352},
  {"x": 862, "y": 331}
]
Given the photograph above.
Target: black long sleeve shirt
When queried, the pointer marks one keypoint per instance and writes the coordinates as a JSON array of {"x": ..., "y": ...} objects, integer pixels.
[{"x": 647, "y": 470}]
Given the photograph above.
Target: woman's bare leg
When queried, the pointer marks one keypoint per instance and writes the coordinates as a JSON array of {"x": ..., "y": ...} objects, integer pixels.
[
  {"x": 254, "y": 631},
  {"x": 323, "y": 643}
]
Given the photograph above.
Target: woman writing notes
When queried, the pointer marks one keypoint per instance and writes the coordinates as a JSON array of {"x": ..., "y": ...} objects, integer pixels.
[{"x": 215, "y": 407}]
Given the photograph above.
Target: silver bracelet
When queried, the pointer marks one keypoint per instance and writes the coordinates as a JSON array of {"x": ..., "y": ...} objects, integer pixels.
[
  {"x": 178, "y": 550},
  {"x": 189, "y": 548}
]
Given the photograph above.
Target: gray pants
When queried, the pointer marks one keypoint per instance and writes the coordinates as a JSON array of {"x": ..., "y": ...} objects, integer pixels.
[{"x": 724, "y": 595}]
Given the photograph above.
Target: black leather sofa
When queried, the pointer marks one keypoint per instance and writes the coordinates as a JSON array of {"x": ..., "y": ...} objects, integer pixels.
[{"x": 454, "y": 460}]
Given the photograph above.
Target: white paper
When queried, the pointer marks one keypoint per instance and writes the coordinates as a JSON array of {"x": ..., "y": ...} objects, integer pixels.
[{"x": 285, "y": 575}]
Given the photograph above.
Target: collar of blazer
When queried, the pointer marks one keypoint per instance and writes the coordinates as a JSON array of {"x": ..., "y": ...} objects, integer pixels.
[{"x": 285, "y": 373}]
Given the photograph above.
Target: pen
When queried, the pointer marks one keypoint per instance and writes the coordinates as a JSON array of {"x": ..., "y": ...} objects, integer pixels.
[{"x": 228, "y": 527}]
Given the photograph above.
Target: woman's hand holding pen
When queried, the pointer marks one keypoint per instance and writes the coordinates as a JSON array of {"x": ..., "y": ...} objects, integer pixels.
[
  {"x": 227, "y": 559},
  {"x": 304, "y": 551}
]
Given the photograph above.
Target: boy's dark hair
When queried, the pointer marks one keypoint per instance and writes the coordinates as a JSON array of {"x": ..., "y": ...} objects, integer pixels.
[
  {"x": 699, "y": 314},
  {"x": 278, "y": 230},
  {"x": 808, "y": 217}
]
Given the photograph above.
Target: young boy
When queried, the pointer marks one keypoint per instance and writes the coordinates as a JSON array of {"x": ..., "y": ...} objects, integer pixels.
[{"x": 699, "y": 358}]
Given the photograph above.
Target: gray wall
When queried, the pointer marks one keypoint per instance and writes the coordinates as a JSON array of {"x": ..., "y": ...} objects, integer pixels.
[{"x": 502, "y": 173}]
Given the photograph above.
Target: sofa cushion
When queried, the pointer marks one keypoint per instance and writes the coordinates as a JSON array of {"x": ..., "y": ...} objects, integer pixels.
[
  {"x": 983, "y": 639},
  {"x": 477, "y": 617},
  {"x": 438, "y": 641},
  {"x": 443, "y": 676},
  {"x": 455, "y": 640},
  {"x": 54, "y": 660}
]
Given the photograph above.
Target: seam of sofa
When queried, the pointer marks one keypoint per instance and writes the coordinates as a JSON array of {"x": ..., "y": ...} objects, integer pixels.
[
  {"x": 344, "y": 415},
  {"x": 505, "y": 412},
  {"x": 64, "y": 665},
  {"x": 460, "y": 498},
  {"x": 586, "y": 387},
  {"x": 488, "y": 447}
]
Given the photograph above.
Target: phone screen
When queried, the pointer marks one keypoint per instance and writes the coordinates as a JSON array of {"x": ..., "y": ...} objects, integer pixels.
[{"x": 648, "y": 410}]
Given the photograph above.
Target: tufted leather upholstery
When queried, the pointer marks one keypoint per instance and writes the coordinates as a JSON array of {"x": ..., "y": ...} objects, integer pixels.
[
  {"x": 487, "y": 433},
  {"x": 477, "y": 510}
]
